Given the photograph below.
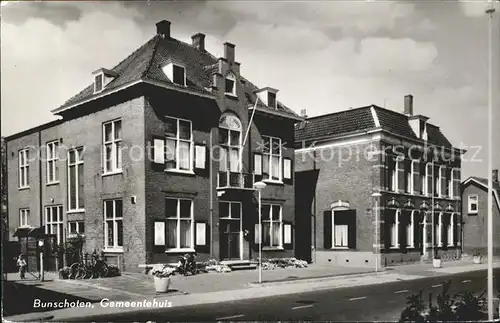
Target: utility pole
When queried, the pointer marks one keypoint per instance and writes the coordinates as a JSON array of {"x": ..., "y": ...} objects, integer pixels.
[{"x": 490, "y": 12}]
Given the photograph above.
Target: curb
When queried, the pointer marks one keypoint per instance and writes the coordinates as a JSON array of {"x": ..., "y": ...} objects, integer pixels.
[
  {"x": 314, "y": 280},
  {"x": 29, "y": 317}
]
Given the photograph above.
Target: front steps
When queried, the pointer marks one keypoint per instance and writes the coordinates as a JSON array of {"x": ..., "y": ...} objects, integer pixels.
[{"x": 239, "y": 264}]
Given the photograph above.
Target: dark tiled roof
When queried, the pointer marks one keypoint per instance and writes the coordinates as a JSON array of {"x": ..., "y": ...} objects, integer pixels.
[
  {"x": 394, "y": 122},
  {"x": 146, "y": 62},
  {"x": 496, "y": 185},
  {"x": 360, "y": 119},
  {"x": 335, "y": 124}
]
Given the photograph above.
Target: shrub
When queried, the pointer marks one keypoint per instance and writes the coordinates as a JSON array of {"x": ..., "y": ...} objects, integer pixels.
[{"x": 113, "y": 271}]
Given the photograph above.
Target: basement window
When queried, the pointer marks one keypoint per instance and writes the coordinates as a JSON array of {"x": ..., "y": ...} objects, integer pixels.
[{"x": 98, "y": 83}]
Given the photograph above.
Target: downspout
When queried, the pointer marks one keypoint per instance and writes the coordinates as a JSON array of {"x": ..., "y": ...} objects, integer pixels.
[
  {"x": 211, "y": 195},
  {"x": 40, "y": 175},
  {"x": 314, "y": 209}
]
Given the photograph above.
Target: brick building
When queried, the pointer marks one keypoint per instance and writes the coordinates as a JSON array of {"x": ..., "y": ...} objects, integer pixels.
[
  {"x": 342, "y": 158},
  {"x": 475, "y": 214},
  {"x": 158, "y": 157}
]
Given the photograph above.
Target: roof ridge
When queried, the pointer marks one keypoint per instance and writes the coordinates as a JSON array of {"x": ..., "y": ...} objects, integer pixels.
[
  {"x": 337, "y": 112},
  {"x": 153, "y": 53}
]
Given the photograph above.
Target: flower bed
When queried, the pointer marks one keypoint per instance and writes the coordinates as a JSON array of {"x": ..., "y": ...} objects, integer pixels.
[{"x": 274, "y": 263}]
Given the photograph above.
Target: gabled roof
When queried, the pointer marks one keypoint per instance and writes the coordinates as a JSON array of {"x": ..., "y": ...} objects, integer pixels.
[
  {"x": 364, "y": 119},
  {"x": 483, "y": 183},
  {"x": 145, "y": 65}
]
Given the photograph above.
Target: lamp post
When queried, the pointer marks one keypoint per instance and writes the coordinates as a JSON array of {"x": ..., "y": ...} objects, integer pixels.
[
  {"x": 376, "y": 195},
  {"x": 259, "y": 186},
  {"x": 40, "y": 244},
  {"x": 490, "y": 12}
]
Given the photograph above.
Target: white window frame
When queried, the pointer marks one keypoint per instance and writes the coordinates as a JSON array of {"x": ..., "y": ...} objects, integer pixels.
[
  {"x": 227, "y": 145},
  {"x": 470, "y": 202},
  {"x": 269, "y": 155},
  {"x": 395, "y": 230},
  {"x": 115, "y": 143},
  {"x": 78, "y": 161},
  {"x": 441, "y": 176},
  {"x": 414, "y": 166},
  {"x": 450, "y": 230},
  {"x": 410, "y": 231},
  {"x": 24, "y": 168},
  {"x": 440, "y": 229},
  {"x": 240, "y": 219},
  {"x": 395, "y": 174},
  {"x": 272, "y": 223},
  {"x": 184, "y": 72},
  {"x": 178, "y": 228},
  {"x": 455, "y": 172},
  {"x": 428, "y": 174},
  {"x": 231, "y": 77},
  {"x": 52, "y": 160},
  {"x": 78, "y": 226},
  {"x": 178, "y": 140},
  {"x": 334, "y": 233},
  {"x": 24, "y": 215},
  {"x": 115, "y": 219},
  {"x": 59, "y": 222}
]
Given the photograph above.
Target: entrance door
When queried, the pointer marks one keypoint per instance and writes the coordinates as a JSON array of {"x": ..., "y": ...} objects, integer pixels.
[
  {"x": 230, "y": 230},
  {"x": 230, "y": 239}
]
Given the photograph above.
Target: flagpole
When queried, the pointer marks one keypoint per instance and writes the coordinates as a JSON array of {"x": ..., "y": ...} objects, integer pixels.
[{"x": 490, "y": 12}]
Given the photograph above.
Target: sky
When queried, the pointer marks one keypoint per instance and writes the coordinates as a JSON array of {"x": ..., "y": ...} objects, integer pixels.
[{"x": 322, "y": 56}]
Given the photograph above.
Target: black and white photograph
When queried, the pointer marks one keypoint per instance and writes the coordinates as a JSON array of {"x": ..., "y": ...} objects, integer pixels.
[{"x": 201, "y": 161}]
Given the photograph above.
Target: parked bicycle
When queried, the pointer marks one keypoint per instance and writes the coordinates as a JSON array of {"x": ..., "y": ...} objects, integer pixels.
[
  {"x": 187, "y": 265},
  {"x": 98, "y": 268}
]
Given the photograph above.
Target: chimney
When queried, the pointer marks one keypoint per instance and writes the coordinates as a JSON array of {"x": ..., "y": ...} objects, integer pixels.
[
  {"x": 198, "y": 41},
  {"x": 303, "y": 113},
  {"x": 229, "y": 52},
  {"x": 494, "y": 175},
  {"x": 163, "y": 29},
  {"x": 408, "y": 105}
]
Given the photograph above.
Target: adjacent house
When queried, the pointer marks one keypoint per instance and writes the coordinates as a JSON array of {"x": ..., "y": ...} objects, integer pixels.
[
  {"x": 475, "y": 214},
  {"x": 376, "y": 185},
  {"x": 157, "y": 157}
]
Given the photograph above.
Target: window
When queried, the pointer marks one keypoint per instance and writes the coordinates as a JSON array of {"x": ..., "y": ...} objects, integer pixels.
[
  {"x": 440, "y": 230},
  {"x": 429, "y": 179},
  {"x": 180, "y": 230},
  {"x": 271, "y": 100},
  {"x": 473, "y": 204},
  {"x": 24, "y": 168},
  {"x": 450, "y": 230},
  {"x": 179, "y": 75},
  {"x": 230, "y": 84},
  {"x": 54, "y": 222},
  {"x": 75, "y": 227},
  {"x": 455, "y": 185},
  {"x": 113, "y": 224},
  {"x": 179, "y": 145},
  {"x": 410, "y": 230},
  {"x": 395, "y": 174},
  {"x": 24, "y": 215},
  {"x": 230, "y": 148},
  {"x": 395, "y": 230},
  {"x": 75, "y": 179},
  {"x": 98, "y": 83},
  {"x": 112, "y": 137},
  {"x": 52, "y": 159},
  {"x": 414, "y": 184},
  {"x": 271, "y": 159},
  {"x": 442, "y": 181},
  {"x": 340, "y": 236},
  {"x": 271, "y": 226}
]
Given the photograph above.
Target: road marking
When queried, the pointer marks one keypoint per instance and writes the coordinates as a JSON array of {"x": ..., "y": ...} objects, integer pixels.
[
  {"x": 438, "y": 285},
  {"x": 303, "y": 306},
  {"x": 401, "y": 291},
  {"x": 466, "y": 281},
  {"x": 229, "y": 317},
  {"x": 357, "y": 298}
]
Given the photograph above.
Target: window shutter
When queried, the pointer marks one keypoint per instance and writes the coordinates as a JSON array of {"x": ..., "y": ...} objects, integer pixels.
[
  {"x": 256, "y": 234},
  {"x": 159, "y": 233},
  {"x": 327, "y": 229},
  {"x": 287, "y": 235},
  {"x": 159, "y": 151},
  {"x": 200, "y": 156},
  {"x": 287, "y": 168},
  {"x": 257, "y": 165},
  {"x": 202, "y": 236}
]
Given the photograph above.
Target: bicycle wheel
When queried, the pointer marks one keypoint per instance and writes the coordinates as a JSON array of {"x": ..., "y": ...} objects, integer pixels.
[
  {"x": 73, "y": 270},
  {"x": 82, "y": 272}
]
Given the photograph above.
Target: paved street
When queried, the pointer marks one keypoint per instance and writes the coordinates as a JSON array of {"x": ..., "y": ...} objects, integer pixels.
[{"x": 374, "y": 302}]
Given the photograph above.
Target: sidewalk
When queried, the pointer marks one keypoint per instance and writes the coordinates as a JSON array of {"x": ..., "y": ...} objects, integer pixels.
[{"x": 214, "y": 287}]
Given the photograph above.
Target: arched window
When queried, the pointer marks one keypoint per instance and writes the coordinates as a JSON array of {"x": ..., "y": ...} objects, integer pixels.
[
  {"x": 230, "y": 84},
  {"x": 230, "y": 129}
]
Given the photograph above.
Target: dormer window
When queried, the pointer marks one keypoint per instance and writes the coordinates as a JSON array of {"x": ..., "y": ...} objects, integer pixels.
[
  {"x": 176, "y": 73},
  {"x": 271, "y": 101},
  {"x": 103, "y": 77},
  {"x": 268, "y": 96},
  {"x": 98, "y": 83},
  {"x": 230, "y": 84}
]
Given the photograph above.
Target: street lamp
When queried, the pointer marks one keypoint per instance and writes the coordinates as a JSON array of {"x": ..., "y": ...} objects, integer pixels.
[
  {"x": 490, "y": 12},
  {"x": 40, "y": 244},
  {"x": 376, "y": 195},
  {"x": 259, "y": 186}
]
